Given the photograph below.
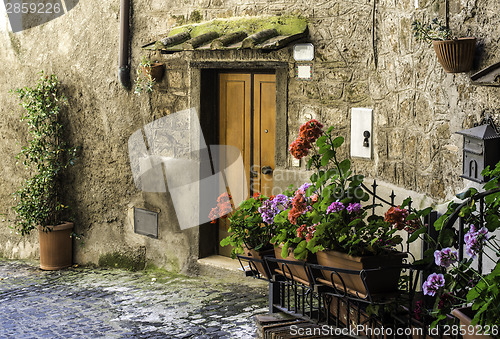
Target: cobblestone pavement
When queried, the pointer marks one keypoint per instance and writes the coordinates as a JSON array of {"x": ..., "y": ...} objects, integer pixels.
[{"x": 112, "y": 303}]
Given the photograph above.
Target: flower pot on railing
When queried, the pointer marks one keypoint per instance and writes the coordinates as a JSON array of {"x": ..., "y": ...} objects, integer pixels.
[
  {"x": 465, "y": 316},
  {"x": 264, "y": 270},
  {"x": 377, "y": 281},
  {"x": 298, "y": 272},
  {"x": 456, "y": 55}
]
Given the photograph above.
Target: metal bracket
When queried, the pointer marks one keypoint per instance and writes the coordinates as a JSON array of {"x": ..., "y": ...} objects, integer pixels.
[{"x": 487, "y": 119}]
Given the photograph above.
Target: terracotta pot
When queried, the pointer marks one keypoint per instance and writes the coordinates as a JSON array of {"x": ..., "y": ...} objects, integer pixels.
[
  {"x": 156, "y": 70},
  {"x": 56, "y": 247},
  {"x": 299, "y": 272},
  {"x": 455, "y": 56},
  {"x": 465, "y": 316},
  {"x": 261, "y": 267},
  {"x": 381, "y": 281}
]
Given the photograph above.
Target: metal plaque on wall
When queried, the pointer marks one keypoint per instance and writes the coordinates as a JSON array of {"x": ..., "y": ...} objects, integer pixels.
[{"x": 146, "y": 222}]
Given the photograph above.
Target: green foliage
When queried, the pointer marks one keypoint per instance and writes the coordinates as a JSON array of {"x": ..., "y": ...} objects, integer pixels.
[
  {"x": 247, "y": 228},
  {"x": 144, "y": 82},
  {"x": 349, "y": 232},
  {"x": 45, "y": 156},
  {"x": 433, "y": 31},
  {"x": 463, "y": 282},
  {"x": 486, "y": 298}
]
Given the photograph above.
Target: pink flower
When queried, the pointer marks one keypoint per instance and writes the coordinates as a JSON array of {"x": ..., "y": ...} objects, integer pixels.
[
  {"x": 433, "y": 283},
  {"x": 445, "y": 257}
]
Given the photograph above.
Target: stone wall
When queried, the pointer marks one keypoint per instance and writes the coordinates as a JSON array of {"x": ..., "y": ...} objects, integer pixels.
[{"x": 363, "y": 59}]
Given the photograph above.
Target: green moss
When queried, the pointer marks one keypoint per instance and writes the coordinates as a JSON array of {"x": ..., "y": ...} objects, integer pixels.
[
  {"x": 131, "y": 262},
  {"x": 161, "y": 274},
  {"x": 285, "y": 25},
  {"x": 195, "y": 16},
  {"x": 179, "y": 19}
]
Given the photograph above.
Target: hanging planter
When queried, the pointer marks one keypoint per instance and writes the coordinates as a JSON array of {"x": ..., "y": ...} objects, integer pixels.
[
  {"x": 156, "y": 70},
  {"x": 456, "y": 56},
  {"x": 148, "y": 74}
]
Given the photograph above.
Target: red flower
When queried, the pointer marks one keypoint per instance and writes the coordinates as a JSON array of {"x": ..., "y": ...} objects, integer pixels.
[
  {"x": 299, "y": 207},
  {"x": 222, "y": 209},
  {"x": 310, "y": 131},
  {"x": 397, "y": 217},
  {"x": 256, "y": 195},
  {"x": 299, "y": 148},
  {"x": 314, "y": 198},
  {"x": 417, "y": 312},
  {"x": 301, "y": 231}
]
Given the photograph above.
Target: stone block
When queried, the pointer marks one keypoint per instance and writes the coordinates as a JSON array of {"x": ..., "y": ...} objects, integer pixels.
[
  {"x": 423, "y": 152},
  {"x": 357, "y": 92},
  {"x": 176, "y": 79},
  {"x": 395, "y": 146}
]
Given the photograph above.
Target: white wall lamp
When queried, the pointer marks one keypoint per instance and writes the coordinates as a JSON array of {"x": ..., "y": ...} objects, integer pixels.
[{"x": 304, "y": 54}]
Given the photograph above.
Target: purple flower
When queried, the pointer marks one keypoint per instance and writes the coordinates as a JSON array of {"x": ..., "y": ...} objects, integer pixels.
[
  {"x": 304, "y": 188},
  {"x": 354, "y": 208},
  {"x": 270, "y": 208},
  {"x": 474, "y": 240},
  {"x": 281, "y": 202},
  {"x": 336, "y": 206},
  {"x": 445, "y": 257},
  {"x": 267, "y": 212},
  {"x": 433, "y": 283}
]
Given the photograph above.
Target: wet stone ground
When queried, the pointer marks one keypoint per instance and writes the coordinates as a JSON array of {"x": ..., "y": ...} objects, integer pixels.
[{"x": 112, "y": 303}]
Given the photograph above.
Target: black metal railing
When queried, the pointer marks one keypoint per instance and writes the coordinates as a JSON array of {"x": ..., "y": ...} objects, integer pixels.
[{"x": 304, "y": 290}]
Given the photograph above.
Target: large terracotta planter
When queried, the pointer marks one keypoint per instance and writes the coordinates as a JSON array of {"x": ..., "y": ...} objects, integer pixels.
[
  {"x": 378, "y": 281},
  {"x": 455, "y": 56},
  {"x": 465, "y": 316},
  {"x": 56, "y": 247},
  {"x": 299, "y": 272},
  {"x": 261, "y": 267},
  {"x": 156, "y": 70}
]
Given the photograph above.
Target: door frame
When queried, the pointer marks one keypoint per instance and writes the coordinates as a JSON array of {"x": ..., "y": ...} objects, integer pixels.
[{"x": 203, "y": 97}]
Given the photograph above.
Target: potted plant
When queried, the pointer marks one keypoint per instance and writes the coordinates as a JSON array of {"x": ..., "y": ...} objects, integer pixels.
[
  {"x": 457, "y": 287},
  {"x": 45, "y": 157},
  {"x": 343, "y": 236},
  {"x": 454, "y": 54},
  {"x": 326, "y": 219},
  {"x": 148, "y": 74},
  {"x": 250, "y": 234}
]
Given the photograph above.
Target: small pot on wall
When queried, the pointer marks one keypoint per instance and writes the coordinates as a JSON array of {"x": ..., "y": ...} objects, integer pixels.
[
  {"x": 456, "y": 55},
  {"x": 56, "y": 247},
  {"x": 156, "y": 70}
]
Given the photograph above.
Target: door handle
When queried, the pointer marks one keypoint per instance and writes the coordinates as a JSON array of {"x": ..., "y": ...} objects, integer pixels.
[{"x": 267, "y": 170}]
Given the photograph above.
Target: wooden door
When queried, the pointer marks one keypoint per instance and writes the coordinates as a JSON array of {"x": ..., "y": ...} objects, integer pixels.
[
  {"x": 264, "y": 120},
  {"x": 247, "y": 110}
]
